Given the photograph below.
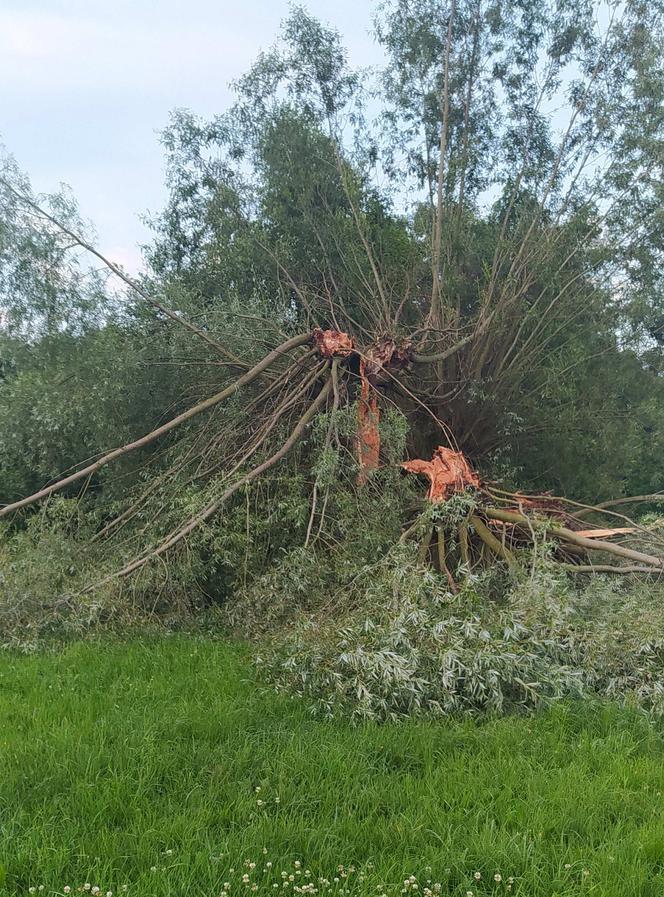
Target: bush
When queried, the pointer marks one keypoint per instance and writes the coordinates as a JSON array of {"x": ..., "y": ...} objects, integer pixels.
[
  {"x": 46, "y": 568},
  {"x": 392, "y": 641}
]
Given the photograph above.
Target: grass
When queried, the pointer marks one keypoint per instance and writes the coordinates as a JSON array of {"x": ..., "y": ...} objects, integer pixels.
[{"x": 138, "y": 765}]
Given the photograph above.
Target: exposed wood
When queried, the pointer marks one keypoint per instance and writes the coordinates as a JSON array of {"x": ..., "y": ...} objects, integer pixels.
[{"x": 604, "y": 533}]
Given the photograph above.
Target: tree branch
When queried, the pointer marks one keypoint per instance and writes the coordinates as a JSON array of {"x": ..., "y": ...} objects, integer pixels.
[{"x": 160, "y": 431}]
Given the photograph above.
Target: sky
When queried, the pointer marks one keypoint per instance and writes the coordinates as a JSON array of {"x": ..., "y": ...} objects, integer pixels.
[{"x": 88, "y": 85}]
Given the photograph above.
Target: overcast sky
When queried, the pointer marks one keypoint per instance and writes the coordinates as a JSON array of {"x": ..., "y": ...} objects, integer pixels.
[{"x": 86, "y": 86}]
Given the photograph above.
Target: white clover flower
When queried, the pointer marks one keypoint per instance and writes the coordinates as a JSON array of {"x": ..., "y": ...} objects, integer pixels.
[
  {"x": 265, "y": 851},
  {"x": 477, "y": 876},
  {"x": 109, "y": 893},
  {"x": 259, "y": 803},
  {"x": 297, "y": 864},
  {"x": 96, "y": 890},
  {"x": 87, "y": 886},
  {"x": 497, "y": 877},
  {"x": 66, "y": 889},
  {"x": 32, "y": 889},
  {"x": 169, "y": 853},
  {"x": 252, "y": 865},
  {"x": 40, "y": 888},
  {"x": 268, "y": 865},
  {"x": 469, "y": 894},
  {"x": 245, "y": 878},
  {"x": 153, "y": 868}
]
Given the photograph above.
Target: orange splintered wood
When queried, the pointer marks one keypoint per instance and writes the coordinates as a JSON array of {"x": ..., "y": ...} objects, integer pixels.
[
  {"x": 384, "y": 354},
  {"x": 604, "y": 533},
  {"x": 333, "y": 343},
  {"x": 368, "y": 435},
  {"x": 448, "y": 472}
]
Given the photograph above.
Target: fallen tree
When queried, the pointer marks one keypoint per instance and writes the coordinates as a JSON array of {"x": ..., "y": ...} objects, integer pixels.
[
  {"x": 333, "y": 361},
  {"x": 461, "y": 318}
]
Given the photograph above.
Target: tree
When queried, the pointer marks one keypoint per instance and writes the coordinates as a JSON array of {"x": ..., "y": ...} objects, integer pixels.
[{"x": 506, "y": 250}]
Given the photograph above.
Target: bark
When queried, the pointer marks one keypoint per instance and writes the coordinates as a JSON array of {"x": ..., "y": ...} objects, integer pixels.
[
  {"x": 436, "y": 310},
  {"x": 418, "y": 358},
  {"x": 125, "y": 278},
  {"x": 608, "y": 568},
  {"x": 655, "y": 498},
  {"x": 491, "y": 541}
]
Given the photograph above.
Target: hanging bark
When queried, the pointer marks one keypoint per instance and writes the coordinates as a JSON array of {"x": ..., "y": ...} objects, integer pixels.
[{"x": 368, "y": 433}]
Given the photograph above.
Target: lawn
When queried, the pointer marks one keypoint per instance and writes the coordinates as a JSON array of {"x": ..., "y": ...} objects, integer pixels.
[{"x": 156, "y": 768}]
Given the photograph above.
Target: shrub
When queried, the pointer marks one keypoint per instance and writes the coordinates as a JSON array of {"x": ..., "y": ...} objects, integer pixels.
[{"x": 392, "y": 641}]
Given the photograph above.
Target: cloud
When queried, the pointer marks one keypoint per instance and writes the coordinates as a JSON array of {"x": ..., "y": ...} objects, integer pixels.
[
  {"x": 127, "y": 257},
  {"x": 86, "y": 85},
  {"x": 47, "y": 53}
]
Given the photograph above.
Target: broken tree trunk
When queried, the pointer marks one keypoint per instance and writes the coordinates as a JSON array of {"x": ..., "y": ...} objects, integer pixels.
[{"x": 449, "y": 474}]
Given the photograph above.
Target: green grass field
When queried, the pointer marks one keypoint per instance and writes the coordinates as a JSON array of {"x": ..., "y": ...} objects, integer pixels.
[{"x": 155, "y": 768}]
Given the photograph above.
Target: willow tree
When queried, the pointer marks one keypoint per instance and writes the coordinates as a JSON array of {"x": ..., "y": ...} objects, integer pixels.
[{"x": 471, "y": 235}]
